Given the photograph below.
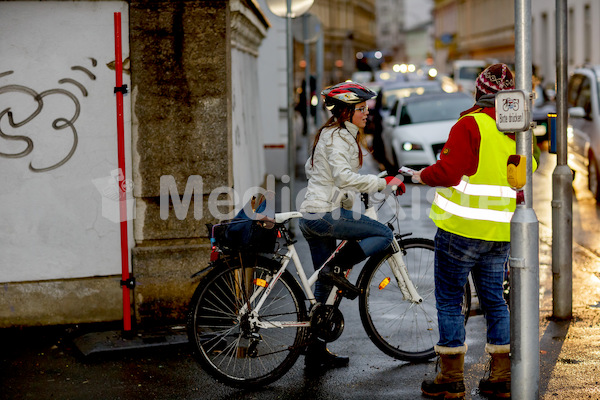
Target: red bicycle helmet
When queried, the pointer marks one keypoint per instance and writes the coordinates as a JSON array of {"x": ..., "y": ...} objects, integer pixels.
[{"x": 346, "y": 93}]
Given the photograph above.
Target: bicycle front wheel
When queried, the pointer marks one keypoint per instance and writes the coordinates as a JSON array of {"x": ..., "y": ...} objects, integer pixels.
[
  {"x": 235, "y": 343},
  {"x": 399, "y": 327}
]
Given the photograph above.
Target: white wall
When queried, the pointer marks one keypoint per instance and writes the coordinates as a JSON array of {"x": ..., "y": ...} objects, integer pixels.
[
  {"x": 54, "y": 69},
  {"x": 272, "y": 81},
  {"x": 583, "y": 47},
  {"x": 248, "y": 154}
]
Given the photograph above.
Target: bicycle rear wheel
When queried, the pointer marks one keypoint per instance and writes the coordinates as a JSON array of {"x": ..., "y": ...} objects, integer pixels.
[
  {"x": 400, "y": 328},
  {"x": 222, "y": 324}
]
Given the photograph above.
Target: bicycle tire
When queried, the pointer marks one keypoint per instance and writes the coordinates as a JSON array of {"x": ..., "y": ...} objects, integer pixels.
[
  {"x": 398, "y": 327},
  {"x": 221, "y": 336}
]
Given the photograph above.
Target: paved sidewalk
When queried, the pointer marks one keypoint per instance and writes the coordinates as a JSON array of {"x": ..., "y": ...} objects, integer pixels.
[{"x": 569, "y": 350}]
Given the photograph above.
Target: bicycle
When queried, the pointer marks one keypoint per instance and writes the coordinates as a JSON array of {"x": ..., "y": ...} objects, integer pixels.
[{"x": 248, "y": 322}]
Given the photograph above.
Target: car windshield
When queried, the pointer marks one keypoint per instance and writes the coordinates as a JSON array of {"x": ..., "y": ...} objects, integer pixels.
[
  {"x": 470, "y": 73},
  {"x": 391, "y": 95},
  {"x": 436, "y": 109}
]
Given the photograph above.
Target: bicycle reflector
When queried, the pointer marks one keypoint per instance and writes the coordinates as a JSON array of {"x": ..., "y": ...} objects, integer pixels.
[
  {"x": 214, "y": 254},
  {"x": 384, "y": 283},
  {"x": 261, "y": 282}
]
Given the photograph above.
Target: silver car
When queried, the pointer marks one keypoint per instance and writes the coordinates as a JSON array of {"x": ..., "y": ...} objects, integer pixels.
[
  {"x": 583, "y": 133},
  {"x": 418, "y": 126}
]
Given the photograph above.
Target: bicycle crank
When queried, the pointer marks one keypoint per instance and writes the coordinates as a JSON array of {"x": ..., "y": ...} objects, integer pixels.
[{"x": 327, "y": 322}]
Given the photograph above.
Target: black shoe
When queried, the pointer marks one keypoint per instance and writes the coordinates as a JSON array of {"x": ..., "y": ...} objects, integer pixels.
[
  {"x": 339, "y": 280},
  {"x": 450, "y": 390},
  {"x": 318, "y": 357}
]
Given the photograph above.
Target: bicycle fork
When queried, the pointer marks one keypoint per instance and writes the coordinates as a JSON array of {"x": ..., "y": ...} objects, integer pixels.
[{"x": 398, "y": 267}]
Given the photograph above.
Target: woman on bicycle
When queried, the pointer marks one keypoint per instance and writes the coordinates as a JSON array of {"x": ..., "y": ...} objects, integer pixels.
[{"x": 333, "y": 180}]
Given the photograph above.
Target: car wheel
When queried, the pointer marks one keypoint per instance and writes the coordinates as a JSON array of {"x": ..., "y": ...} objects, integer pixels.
[{"x": 593, "y": 176}]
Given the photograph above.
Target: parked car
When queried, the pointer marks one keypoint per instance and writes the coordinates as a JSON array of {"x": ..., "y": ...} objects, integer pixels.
[
  {"x": 418, "y": 126},
  {"x": 388, "y": 93},
  {"x": 397, "y": 90},
  {"x": 465, "y": 72},
  {"x": 583, "y": 133}
]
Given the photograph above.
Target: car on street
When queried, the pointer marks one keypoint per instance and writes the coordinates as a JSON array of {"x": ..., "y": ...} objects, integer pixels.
[
  {"x": 398, "y": 90},
  {"x": 583, "y": 132},
  {"x": 388, "y": 94},
  {"x": 417, "y": 127},
  {"x": 465, "y": 72}
]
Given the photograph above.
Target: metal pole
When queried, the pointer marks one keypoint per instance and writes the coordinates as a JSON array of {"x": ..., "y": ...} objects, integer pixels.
[
  {"x": 119, "y": 90},
  {"x": 524, "y": 230},
  {"x": 562, "y": 195},
  {"x": 290, "y": 111},
  {"x": 319, "y": 81}
]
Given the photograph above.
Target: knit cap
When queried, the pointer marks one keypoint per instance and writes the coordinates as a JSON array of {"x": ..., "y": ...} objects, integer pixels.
[{"x": 495, "y": 78}]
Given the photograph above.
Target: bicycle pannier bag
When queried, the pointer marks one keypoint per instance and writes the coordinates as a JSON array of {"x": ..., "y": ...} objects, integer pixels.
[{"x": 251, "y": 230}]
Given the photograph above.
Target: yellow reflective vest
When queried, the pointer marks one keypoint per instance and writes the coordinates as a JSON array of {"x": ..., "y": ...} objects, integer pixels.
[{"x": 481, "y": 205}]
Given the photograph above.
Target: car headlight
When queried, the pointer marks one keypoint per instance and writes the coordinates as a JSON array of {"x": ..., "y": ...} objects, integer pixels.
[{"x": 410, "y": 146}]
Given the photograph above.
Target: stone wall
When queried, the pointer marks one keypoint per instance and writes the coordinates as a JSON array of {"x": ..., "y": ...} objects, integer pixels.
[
  {"x": 181, "y": 127},
  {"x": 181, "y": 59}
]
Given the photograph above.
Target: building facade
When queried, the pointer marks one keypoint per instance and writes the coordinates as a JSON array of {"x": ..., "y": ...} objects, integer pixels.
[
  {"x": 192, "y": 130},
  {"x": 484, "y": 29},
  {"x": 348, "y": 28},
  {"x": 405, "y": 30},
  {"x": 582, "y": 33}
]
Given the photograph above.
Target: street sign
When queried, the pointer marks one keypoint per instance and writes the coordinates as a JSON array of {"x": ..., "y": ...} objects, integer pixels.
[
  {"x": 513, "y": 111},
  {"x": 313, "y": 30}
]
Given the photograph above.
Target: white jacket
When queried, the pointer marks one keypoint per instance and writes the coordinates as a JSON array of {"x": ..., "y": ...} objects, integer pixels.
[{"x": 333, "y": 178}]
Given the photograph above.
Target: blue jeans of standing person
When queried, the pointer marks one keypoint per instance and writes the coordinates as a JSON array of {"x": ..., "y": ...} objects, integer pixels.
[
  {"x": 455, "y": 257},
  {"x": 321, "y": 231}
]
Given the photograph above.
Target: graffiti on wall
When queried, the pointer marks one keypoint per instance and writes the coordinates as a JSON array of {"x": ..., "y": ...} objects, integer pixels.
[{"x": 40, "y": 99}]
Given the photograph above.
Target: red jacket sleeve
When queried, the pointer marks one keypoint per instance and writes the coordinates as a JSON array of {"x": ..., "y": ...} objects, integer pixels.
[{"x": 460, "y": 155}]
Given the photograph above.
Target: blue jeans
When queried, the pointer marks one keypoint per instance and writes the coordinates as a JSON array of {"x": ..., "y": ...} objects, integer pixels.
[
  {"x": 321, "y": 231},
  {"x": 455, "y": 257}
]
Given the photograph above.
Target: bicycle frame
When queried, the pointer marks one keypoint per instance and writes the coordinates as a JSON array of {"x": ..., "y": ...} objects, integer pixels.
[{"x": 396, "y": 262}]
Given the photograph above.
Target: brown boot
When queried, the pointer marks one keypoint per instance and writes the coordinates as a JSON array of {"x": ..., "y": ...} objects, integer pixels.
[
  {"x": 450, "y": 380},
  {"x": 497, "y": 385}
]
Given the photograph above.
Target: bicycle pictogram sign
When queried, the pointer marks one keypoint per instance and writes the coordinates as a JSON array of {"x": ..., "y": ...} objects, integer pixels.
[{"x": 510, "y": 104}]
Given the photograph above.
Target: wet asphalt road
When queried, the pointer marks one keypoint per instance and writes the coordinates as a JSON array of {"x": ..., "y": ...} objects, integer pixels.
[{"x": 43, "y": 363}]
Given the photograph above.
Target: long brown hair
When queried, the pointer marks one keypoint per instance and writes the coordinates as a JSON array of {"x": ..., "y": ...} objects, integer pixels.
[{"x": 338, "y": 119}]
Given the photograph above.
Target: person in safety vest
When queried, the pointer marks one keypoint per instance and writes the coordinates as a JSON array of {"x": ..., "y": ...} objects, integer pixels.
[
  {"x": 472, "y": 209},
  {"x": 333, "y": 181}
]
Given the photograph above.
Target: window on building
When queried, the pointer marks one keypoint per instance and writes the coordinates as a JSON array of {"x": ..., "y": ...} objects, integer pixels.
[
  {"x": 587, "y": 34},
  {"x": 571, "y": 33},
  {"x": 544, "y": 35}
]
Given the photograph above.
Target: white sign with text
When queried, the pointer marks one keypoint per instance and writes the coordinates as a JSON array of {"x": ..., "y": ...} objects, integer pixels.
[{"x": 513, "y": 111}]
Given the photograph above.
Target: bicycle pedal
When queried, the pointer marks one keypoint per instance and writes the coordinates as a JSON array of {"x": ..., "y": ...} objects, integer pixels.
[{"x": 351, "y": 294}]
